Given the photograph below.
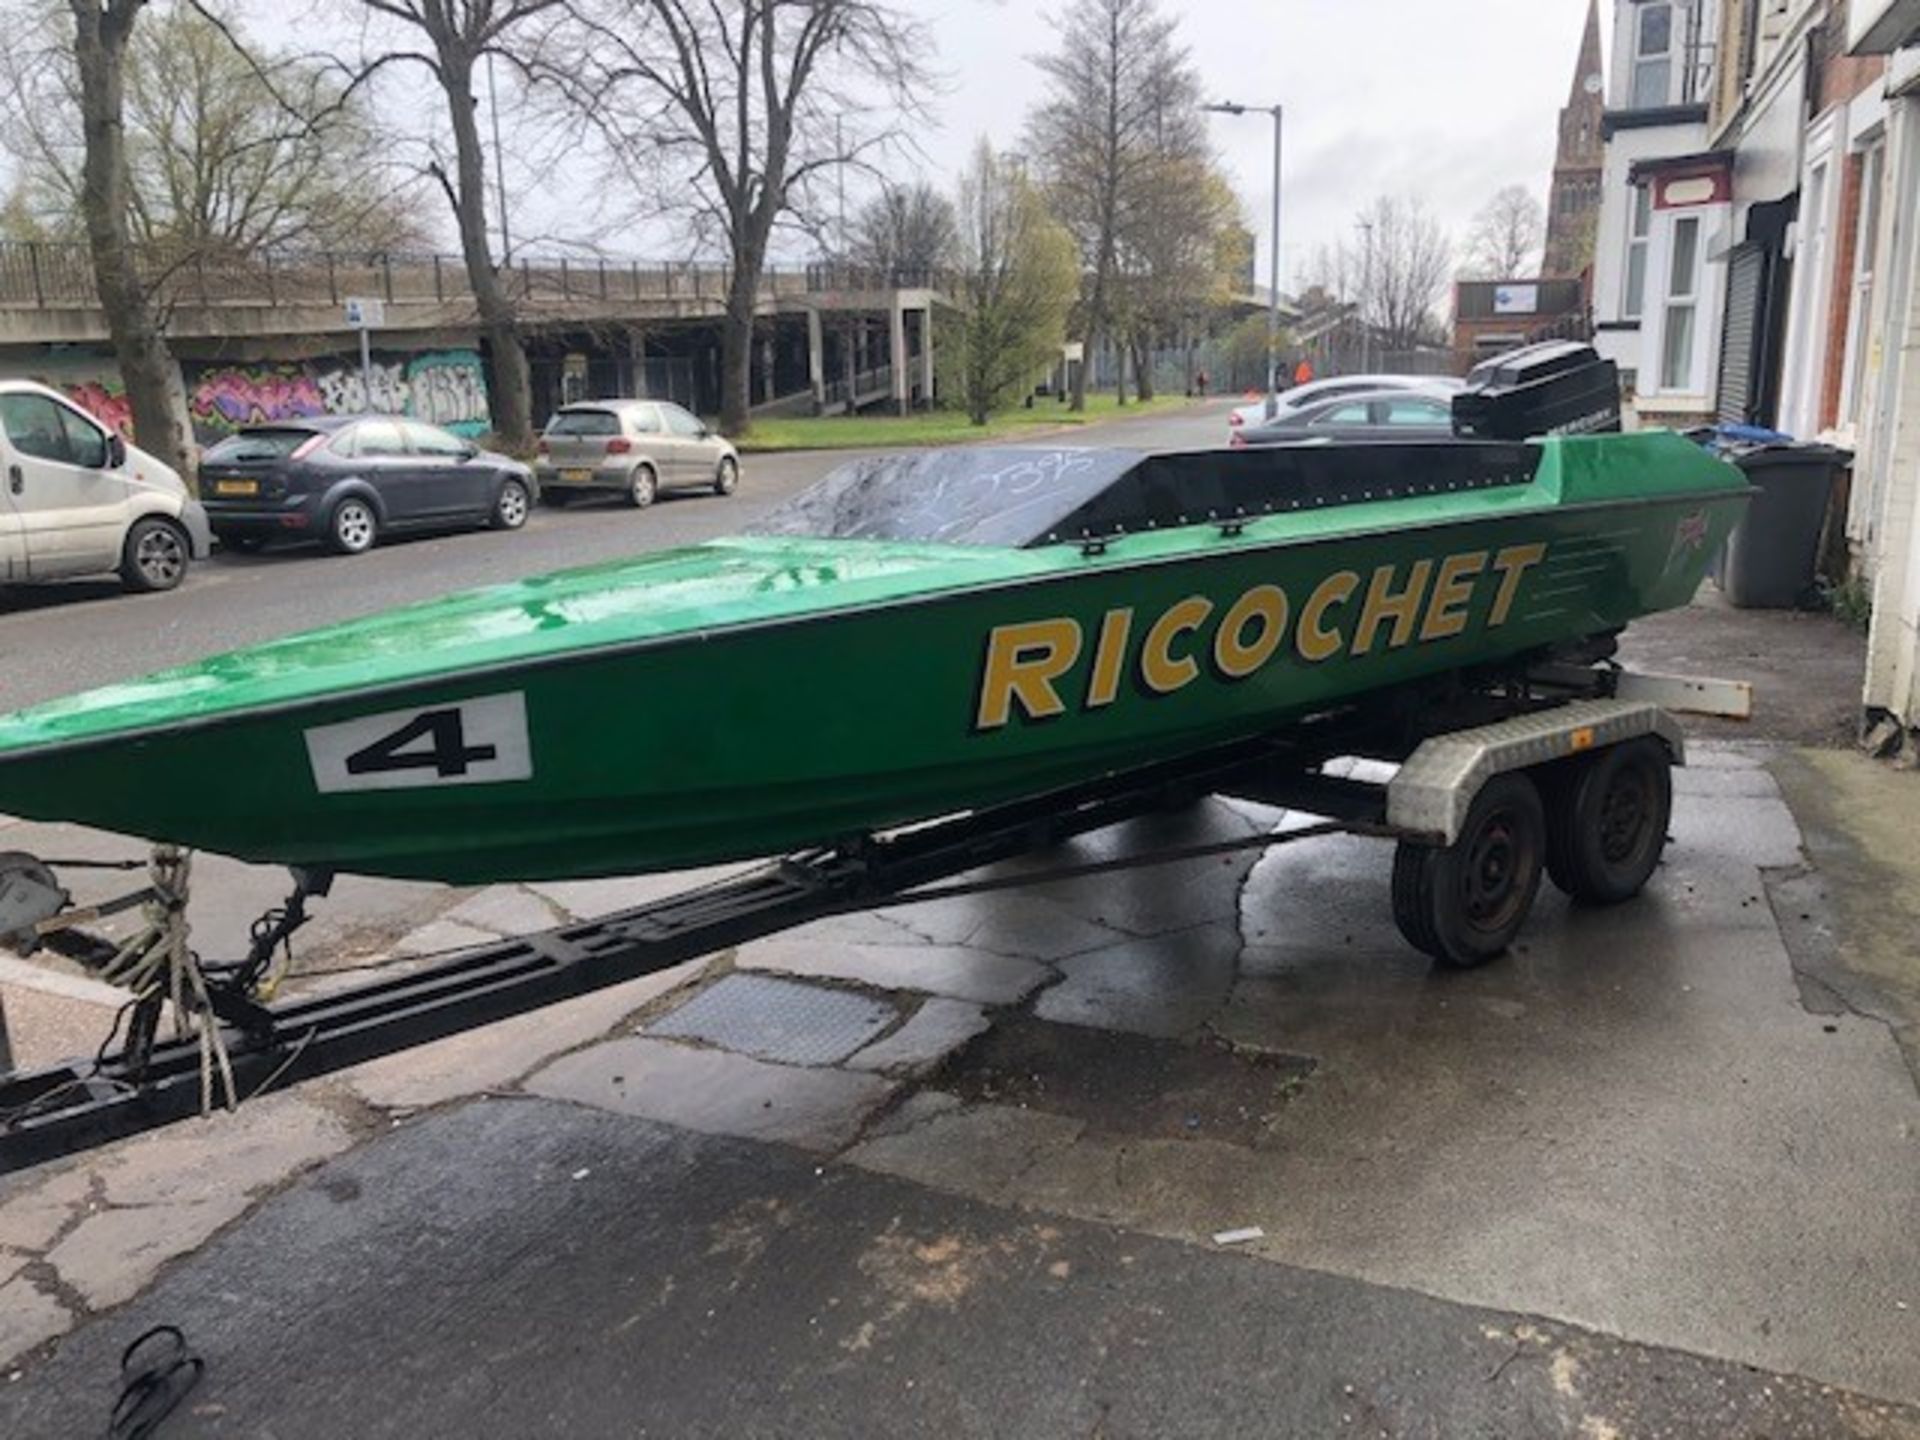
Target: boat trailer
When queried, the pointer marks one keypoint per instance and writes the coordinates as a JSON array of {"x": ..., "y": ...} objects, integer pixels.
[{"x": 1560, "y": 769}]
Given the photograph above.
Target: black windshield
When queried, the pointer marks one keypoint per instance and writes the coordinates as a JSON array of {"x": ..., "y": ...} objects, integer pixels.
[
  {"x": 981, "y": 495},
  {"x": 1025, "y": 498}
]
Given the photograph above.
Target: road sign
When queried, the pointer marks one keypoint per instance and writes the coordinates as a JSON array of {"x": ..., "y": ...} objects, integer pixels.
[{"x": 365, "y": 314}]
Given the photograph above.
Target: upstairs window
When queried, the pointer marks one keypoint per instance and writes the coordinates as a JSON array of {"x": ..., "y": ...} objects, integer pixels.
[{"x": 1653, "y": 57}]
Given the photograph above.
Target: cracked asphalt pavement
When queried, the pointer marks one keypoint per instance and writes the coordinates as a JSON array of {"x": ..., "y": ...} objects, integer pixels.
[{"x": 959, "y": 1168}]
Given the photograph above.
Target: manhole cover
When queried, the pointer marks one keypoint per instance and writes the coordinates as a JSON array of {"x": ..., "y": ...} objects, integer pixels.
[{"x": 778, "y": 1020}]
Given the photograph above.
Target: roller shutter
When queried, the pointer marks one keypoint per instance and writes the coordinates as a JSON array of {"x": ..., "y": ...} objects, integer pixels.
[{"x": 1740, "y": 341}]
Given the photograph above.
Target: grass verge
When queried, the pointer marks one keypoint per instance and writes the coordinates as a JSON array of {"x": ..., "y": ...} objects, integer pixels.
[{"x": 939, "y": 427}]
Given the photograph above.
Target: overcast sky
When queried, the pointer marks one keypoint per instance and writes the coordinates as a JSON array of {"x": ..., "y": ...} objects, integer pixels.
[{"x": 1446, "y": 100}]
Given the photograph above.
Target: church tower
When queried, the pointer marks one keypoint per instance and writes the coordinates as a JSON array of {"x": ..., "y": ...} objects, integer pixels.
[{"x": 1573, "y": 209}]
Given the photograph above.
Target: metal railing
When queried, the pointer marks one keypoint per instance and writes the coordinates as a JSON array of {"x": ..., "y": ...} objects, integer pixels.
[
  {"x": 44, "y": 275},
  {"x": 867, "y": 383}
]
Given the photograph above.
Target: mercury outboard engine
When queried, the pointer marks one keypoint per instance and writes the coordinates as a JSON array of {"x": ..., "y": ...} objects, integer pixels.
[{"x": 1559, "y": 387}]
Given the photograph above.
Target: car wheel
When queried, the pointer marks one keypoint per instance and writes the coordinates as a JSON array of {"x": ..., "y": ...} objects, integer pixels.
[
  {"x": 352, "y": 528},
  {"x": 154, "y": 557},
  {"x": 642, "y": 487},
  {"x": 510, "y": 510},
  {"x": 727, "y": 478}
]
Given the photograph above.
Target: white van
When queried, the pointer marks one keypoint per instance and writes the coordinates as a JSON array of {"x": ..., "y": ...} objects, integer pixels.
[{"x": 76, "y": 499}]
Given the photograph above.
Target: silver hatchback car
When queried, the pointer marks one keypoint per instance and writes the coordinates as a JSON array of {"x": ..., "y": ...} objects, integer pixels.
[{"x": 635, "y": 448}]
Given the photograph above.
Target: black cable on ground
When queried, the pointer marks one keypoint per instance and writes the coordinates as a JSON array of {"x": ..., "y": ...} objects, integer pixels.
[{"x": 157, "y": 1372}]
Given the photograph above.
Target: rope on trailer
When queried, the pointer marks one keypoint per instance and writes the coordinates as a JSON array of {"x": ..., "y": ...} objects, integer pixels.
[{"x": 160, "y": 968}]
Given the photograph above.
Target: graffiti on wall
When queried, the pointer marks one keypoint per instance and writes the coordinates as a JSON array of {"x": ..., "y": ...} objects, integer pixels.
[
  {"x": 223, "y": 400},
  {"x": 106, "y": 401},
  {"x": 444, "y": 387}
]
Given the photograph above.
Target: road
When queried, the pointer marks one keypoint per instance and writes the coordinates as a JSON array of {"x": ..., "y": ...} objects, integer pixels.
[{"x": 56, "y": 639}]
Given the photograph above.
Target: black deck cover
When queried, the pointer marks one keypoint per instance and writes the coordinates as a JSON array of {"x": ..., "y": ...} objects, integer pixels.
[{"x": 1026, "y": 497}]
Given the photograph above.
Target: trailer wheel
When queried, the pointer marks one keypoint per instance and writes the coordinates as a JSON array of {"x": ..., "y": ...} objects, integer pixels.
[
  {"x": 1607, "y": 825},
  {"x": 1463, "y": 903},
  {"x": 1412, "y": 902}
]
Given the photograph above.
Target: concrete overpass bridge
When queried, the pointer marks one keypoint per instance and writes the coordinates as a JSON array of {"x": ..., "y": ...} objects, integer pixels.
[{"x": 256, "y": 333}]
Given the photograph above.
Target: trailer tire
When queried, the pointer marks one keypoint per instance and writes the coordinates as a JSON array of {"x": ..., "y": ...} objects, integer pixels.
[
  {"x": 1469, "y": 899},
  {"x": 1411, "y": 904},
  {"x": 1607, "y": 823}
]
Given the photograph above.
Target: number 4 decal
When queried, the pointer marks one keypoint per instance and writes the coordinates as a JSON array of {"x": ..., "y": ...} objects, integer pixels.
[{"x": 469, "y": 742}]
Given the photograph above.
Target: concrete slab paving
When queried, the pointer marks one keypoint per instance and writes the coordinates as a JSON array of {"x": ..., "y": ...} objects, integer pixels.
[
  {"x": 494, "y": 1056},
  {"x": 1164, "y": 985},
  {"x": 961, "y": 973},
  {"x": 716, "y": 1092},
  {"x": 932, "y": 1033},
  {"x": 590, "y": 899},
  {"x": 1017, "y": 923},
  {"x": 506, "y": 910},
  {"x": 439, "y": 936},
  {"x": 29, "y": 1317},
  {"x": 96, "y": 1232}
]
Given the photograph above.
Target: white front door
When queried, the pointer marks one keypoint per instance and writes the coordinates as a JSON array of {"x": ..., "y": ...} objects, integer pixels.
[{"x": 70, "y": 506}]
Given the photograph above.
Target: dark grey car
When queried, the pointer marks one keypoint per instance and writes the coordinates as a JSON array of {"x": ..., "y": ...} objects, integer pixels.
[
  {"x": 347, "y": 480},
  {"x": 1379, "y": 415}
]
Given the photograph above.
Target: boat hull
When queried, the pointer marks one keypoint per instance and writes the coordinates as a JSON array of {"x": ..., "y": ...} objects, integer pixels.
[{"x": 754, "y": 735}]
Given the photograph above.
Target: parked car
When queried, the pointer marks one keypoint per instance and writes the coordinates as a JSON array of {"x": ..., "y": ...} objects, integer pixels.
[
  {"x": 79, "y": 500},
  {"x": 1378, "y": 415},
  {"x": 1315, "y": 391},
  {"x": 635, "y": 448},
  {"x": 347, "y": 480}
]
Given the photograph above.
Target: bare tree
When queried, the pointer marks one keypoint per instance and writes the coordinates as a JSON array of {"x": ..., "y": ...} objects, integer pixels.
[
  {"x": 1504, "y": 241},
  {"x": 1398, "y": 283},
  {"x": 216, "y": 169},
  {"x": 734, "y": 110},
  {"x": 453, "y": 39},
  {"x": 103, "y": 30},
  {"x": 1122, "y": 100},
  {"x": 1014, "y": 279},
  {"x": 905, "y": 230}
]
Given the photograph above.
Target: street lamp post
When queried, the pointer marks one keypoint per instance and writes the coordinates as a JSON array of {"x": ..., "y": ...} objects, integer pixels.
[
  {"x": 1366, "y": 299},
  {"x": 1273, "y": 265}
]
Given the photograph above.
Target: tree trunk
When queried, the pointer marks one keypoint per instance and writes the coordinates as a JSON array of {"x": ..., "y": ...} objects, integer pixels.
[
  {"x": 139, "y": 347},
  {"x": 509, "y": 381},
  {"x": 1142, "y": 372},
  {"x": 736, "y": 335},
  {"x": 736, "y": 349}
]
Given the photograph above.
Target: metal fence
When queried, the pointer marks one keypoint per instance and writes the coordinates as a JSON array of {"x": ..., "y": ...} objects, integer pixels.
[{"x": 46, "y": 275}]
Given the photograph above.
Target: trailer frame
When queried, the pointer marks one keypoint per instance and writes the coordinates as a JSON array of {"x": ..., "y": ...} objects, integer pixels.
[{"x": 1450, "y": 743}]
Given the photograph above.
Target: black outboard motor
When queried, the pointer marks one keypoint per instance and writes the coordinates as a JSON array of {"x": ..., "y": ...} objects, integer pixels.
[{"x": 1559, "y": 387}]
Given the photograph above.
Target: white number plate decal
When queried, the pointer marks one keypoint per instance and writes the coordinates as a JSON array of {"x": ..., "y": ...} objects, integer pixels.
[{"x": 465, "y": 742}]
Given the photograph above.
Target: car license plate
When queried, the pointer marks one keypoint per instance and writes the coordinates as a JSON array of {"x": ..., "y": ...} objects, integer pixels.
[
  {"x": 236, "y": 487},
  {"x": 577, "y": 477}
]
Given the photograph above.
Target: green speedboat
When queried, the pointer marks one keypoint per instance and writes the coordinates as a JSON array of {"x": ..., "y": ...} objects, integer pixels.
[{"x": 913, "y": 637}]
